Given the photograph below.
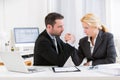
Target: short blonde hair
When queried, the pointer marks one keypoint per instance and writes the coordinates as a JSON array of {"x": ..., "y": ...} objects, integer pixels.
[{"x": 94, "y": 21}]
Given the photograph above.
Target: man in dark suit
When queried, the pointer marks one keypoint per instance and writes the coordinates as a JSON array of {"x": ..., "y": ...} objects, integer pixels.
[{"x": 49, "y": 49}]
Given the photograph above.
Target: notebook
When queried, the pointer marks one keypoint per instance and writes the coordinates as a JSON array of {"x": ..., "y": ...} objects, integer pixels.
[{"x": 15, "y": 62}]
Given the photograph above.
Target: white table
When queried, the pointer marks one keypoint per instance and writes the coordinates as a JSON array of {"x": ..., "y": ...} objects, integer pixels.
[{"x": 48, "y": 74}]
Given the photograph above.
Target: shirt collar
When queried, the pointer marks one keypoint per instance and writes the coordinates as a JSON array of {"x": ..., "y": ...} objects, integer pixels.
[
  {"x": 94, "y": 39},
  {"x": 52, "y": 37}
]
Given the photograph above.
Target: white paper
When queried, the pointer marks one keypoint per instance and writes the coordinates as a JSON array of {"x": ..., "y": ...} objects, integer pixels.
[
  {"x": 113, "y": 69},
  {"x": 65, "y": 69}
]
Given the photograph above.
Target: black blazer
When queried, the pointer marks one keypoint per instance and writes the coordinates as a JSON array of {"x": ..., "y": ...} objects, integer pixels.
[
  {"x": 45, "y": 53},
  {"x": 104, "y": 51}
]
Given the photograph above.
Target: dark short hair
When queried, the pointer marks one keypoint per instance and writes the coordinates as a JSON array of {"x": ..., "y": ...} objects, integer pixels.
[{"x": 51, "y": 17}]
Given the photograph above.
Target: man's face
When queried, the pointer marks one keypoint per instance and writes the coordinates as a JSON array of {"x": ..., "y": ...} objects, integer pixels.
[{"x": 57, "y": 28}]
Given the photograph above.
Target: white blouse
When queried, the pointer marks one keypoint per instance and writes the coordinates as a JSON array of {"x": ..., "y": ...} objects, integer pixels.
[{"x": 91, "y": 45}]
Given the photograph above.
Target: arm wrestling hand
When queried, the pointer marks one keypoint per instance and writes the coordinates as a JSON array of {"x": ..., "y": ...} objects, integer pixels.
[{"x": 69, "y": 38}]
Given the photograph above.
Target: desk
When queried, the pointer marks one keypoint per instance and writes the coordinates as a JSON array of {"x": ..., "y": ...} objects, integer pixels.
[{"x": 48, "y": 74}]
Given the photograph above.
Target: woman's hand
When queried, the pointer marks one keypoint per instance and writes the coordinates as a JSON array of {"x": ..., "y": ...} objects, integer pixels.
[{"x": 87, "y": 64}]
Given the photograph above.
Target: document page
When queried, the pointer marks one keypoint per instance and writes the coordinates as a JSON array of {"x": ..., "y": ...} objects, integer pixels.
[
  {"x": 112, "y": 69},
  {"x": 65, "y": 69}
]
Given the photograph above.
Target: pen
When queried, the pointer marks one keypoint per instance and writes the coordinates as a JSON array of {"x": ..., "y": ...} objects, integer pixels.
[{"x": 93, "y": 67}]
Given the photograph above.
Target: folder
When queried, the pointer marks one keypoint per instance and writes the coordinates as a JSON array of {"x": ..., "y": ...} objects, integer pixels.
[{"x": 65, "y": 69}]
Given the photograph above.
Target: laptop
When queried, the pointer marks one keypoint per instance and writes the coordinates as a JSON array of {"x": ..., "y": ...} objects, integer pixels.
[{"x": 14, "y": 62}]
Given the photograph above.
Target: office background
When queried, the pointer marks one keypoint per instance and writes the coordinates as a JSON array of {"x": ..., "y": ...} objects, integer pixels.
[{"x": 31, "y": 13}]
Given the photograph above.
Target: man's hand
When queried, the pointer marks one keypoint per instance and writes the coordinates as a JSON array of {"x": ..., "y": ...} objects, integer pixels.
[{"x": 69, "y": 38}]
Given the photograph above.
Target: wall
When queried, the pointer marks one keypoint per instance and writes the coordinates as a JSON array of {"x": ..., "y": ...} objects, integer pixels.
[
  {"x": 115, "y": 17},
  {"x": 73, "y": 10},
  {"x": 20, "y": 13}
]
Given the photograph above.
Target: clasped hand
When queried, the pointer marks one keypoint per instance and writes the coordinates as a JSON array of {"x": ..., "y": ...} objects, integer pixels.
[{"x": 69, "y": 38}]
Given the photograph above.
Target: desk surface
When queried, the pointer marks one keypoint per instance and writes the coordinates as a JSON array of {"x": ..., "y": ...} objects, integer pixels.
[{"x": 48, "y": 74}]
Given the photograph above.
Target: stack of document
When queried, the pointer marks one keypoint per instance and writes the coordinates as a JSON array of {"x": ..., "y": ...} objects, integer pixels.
[{"x": 112, "y": 69}]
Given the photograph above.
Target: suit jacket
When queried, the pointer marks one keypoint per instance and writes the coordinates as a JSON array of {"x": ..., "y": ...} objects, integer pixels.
[
  {"x": 45, "y": 52},
  {"x": 104, "y": 51}
]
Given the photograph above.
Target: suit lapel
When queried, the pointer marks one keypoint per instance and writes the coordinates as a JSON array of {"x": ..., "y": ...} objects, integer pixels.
[
  {"x": 87, "y": 47},
  {"x": 47, "y": 36},
  {"x": 98, "y": 41}
]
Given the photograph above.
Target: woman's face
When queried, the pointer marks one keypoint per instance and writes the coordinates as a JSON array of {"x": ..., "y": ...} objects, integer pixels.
[{"x": 88, "y": 30}]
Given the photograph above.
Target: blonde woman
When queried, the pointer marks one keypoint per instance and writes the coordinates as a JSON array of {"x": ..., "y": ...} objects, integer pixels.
[{"x": 98, "y": 46}]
